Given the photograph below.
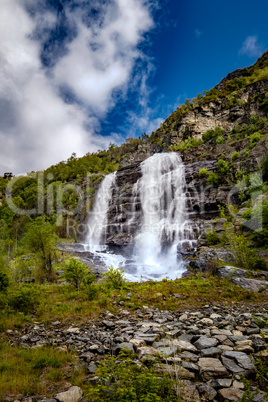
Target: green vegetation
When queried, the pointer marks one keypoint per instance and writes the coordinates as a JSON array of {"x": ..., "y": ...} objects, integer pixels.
[
  {"x": 189, "y": 143},
  {"x": 75, "y": 272},
  {"x": 123, "y": 380},
  {"x": 222, "y": 167},
  {"x": 213, "y": 179},
  {"x": 114, "y": 278},
  {"x": 210, "y": 134},
  {"x": 203, "y": 172},
  {"x": 234, "y": 156},
  {"x": 34, "y": 371},
  {"x": 41, "y": 240},
  {"x": 212, "y": 238}
]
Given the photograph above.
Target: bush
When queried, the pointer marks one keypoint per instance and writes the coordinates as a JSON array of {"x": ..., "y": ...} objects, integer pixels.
[
  {"x": 24, "y": 299},
  {"x": 259, "y": 264},
  {"x": 234, "y": 156},
  {"x": 220, "y": 140},
  {"x": 114, "y": 278},
  {"x": 121, "y": 379},
  {"x": 222, "y": 166},
  {"x": 254, "y": 138},
  {"x": 92, "y": 291},
  {"x": 245, "y": 256},
  {"x": 75, "y": 272},
  {"x": 212, "y": 238},
  {"x": 213, "y": 179},
  {"x": 203, "y": 172},
  {"x": 209, "y": 134}
]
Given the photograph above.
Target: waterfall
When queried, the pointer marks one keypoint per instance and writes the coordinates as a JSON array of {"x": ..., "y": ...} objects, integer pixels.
[
  {"x": 97, "y": 222},
  {"x": 165, "y": 230}
]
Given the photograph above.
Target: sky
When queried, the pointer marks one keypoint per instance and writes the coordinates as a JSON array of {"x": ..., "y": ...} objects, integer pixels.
[{"x": 77, "y": 75}]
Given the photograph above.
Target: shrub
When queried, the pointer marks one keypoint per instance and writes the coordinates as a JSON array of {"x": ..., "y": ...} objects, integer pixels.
[
  {"x": 209, "y": 134},
  {"x": 24, "y": 299},
  {"x": 245, "y": 153},
  {"x": 222, "y": 166},
  {"x": 121, "y": 379},
  {"x": 75, "y": 272},
  {"x": 212, "y": 238},
  {"x": 203, "y": 172},
  {"x": 254, "y": 138},
  {"x": 114, "y": 278},
  {"x": 220, "y": 140},
  {"x": 213, "y": 179},
  {"x": 234, "y": 156},
  {"x": 92, "y": 291},
  {"x": 245, "y": 256}
]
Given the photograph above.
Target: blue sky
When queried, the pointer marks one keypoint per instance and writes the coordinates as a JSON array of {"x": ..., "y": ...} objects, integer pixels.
[{"x": 76, "y": 75}]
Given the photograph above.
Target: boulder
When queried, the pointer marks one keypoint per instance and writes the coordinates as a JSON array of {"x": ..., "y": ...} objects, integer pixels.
[
  {"x": 230, "y": 394},
  {"x": 74, "y": 394},
  {"x": 211, "y": 368}
]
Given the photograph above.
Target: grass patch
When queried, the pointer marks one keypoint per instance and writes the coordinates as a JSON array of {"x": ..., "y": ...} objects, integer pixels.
[
  {"x": 29, "y": 371},
  {"x": 58, "y": 302}
]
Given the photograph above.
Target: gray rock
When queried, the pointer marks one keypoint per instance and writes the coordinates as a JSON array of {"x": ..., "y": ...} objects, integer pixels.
[
  {"x": 108, "y": 324},
  {"x": 175, "y": 371},
  {"x": 220, "y": 383},
  {"x": 188, "y": 392},
  {"x": 167, "y": 351},
  {"x": 74, "y": 394},
  {"x": 253, "y": 285},
  {"x": 204, "y": 342},
  {"x": 124, "y": 346},
  {"x": 146, "y": 351},
  {"x": 241, "y": 358},
  {"x": 190, "y": 366},
  {"x": 207, "y": 392},
  {"x": 230, "y": 394},
  {"x": 237, "y": 362},
  {"x": 185, "y": 346},
  {"x": 148, "y": 338},
  {"x": 211, "y": 368},
  {"x": 92, "y": 368},
  {"x": 189, "y": 356},
  {"x": 230, "y": 272},
  {"x": 211, "y": 352}
]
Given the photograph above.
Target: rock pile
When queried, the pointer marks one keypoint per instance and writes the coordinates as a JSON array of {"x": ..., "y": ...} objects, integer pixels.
[{"x": 209, "y": 349}]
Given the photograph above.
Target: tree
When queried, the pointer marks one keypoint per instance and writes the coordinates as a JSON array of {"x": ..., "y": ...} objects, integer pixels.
[
  {"x": 75, "y": 272},
  {"x": 41, "y": 240}
]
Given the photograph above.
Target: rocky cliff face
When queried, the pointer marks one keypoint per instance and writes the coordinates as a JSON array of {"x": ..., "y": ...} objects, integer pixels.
[{"x": 235, "y": 113}]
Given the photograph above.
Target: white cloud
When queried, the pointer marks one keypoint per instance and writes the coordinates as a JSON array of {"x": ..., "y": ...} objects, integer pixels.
[
  {"x": 251, "y": 47},
  {"x": 37, "y": 128}
]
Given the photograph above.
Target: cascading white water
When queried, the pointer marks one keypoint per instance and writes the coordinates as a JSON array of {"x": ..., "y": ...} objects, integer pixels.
[
  {"x": 97, "y": 222},
  {"x": 165, "y": 229}
]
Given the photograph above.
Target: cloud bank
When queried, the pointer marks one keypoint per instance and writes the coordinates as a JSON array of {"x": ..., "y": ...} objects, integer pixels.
[{"x": 62, "y": 69}]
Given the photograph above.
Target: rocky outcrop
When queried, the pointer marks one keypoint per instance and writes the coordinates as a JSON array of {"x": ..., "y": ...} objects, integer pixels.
[{"x": 211, "y": 348}]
